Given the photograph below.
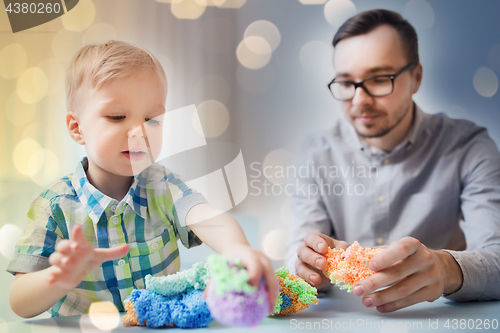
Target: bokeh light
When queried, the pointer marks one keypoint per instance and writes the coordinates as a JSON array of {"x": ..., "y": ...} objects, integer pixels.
[
  {"x": 419, "y": 13},
  {"x": 32, "y": 131},
  {"x": 338, "y": 11},
  {"x": 104, "y": 315},
  {"x": 216, "y": 3},
  {"x": 18, "y": 112},
  {"x": 99, "y": 33},
  {"x": 217, "y": 35},
  {"x": 9, "y": 234},
  {"x": 266, "y": 30},
  {"x": 485, "y": 82},
  {"x": 211, "y": 87},
  {"x": 80, "y": 17},
  {"x": 316, "y": 58},
  {"x": 214, "y": 119},
  {"x": 494, "y": 57},
  {"x": 256, "y": 81},
  {"x": 276, "y": 166},
  {"x": 22, "y": 154},
  {"x": 65, "y": 44},
  {"x": 55, "y": 72},
  {"x": 13, "y": 61},
  {"x": 274, "y": 244},
  {"x": 230, "y": 3},
  {"x": 312, "y": 2},
  {"x": 43, "y": 167},
  {"x": 32, "y": 85},
  {"x": 48, "y": 325},
  {"x": 254, "y": 52},
  {"x": 188, "y": 9}
]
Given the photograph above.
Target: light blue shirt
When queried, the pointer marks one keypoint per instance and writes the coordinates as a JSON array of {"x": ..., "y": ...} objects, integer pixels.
[{"x": 441, "y": 185}]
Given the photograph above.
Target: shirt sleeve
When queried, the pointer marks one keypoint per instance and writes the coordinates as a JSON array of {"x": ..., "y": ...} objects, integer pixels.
[
  {"x": 179, "y": 200},
  {"x": 308, "y": 210},
  {"x": 480, "y": 198},
  {"x": 38, "y": 240}
]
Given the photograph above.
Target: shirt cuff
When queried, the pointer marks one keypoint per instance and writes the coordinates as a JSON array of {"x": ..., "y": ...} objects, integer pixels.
[
  {"x": 182, "y": 208},
  {"x": 474, "y": 276},
  {"x": 27, "y": 263}
]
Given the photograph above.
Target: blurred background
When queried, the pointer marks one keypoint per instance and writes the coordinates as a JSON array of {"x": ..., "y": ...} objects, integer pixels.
[{"x": 255, "y": 69}]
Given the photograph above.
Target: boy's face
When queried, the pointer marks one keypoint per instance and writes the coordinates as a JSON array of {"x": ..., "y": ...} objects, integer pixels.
[{"x": 119, "y": 121}]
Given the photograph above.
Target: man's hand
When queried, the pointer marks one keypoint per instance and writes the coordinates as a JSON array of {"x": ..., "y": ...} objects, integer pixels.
[
  {"x": 418, "y": 274},
  {"x": 257, "y": 265},
  {"x": 76, "y": 258},
  {"x": 311, "y": 260}
]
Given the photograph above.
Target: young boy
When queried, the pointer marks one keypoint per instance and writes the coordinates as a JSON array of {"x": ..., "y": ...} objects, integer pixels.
[{"x": 95, "y": 234}]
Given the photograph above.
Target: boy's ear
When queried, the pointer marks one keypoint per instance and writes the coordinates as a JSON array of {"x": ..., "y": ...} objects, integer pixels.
[{"x": 74, "y": 128}]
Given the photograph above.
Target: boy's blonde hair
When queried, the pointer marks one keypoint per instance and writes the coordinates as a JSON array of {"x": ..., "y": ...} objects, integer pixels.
[{"x": 93, "y": 66}]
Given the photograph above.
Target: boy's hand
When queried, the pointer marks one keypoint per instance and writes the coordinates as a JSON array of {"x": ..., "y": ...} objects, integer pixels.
[
  {"x": 75, "y": 258},
  {"x": 311, "y": 261},
  {"x": 257, "y": 265}
]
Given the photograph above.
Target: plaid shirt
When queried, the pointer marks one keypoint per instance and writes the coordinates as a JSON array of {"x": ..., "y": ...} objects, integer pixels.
[{"x": 150, "y": 218}]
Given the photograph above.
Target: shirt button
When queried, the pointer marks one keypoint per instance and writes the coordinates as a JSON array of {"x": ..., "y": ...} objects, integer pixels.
[
  {"x": 386, "y": 161},
  {"x": 113, "y": 208},
  {"x": 115, "y": 220},
  {"x": 154, "y": 246},
  {"x": 380, "y": 241},
  {"x": 381, "y": 198},
  {"x": 121, "y": 262}
]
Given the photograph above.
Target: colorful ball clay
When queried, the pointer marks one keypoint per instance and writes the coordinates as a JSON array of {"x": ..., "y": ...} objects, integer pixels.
[
  {"x": 294, "y": 294},
  {"x": 231, "y": 299},
  {"x": 346, "y": 267},
  {"x": 173, "y": 300}
]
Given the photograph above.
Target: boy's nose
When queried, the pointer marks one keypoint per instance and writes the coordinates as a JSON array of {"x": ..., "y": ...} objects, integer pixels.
[{"x": 137, "y": 132}]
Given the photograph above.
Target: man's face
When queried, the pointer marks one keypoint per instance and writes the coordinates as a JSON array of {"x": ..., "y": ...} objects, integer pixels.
[
  {"x": 120, "y": 119},
  {"x": 378, "y": 52}
]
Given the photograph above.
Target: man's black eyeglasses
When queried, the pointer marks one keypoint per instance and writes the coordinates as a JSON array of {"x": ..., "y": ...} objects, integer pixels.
[{"x": 375, "y": 86}]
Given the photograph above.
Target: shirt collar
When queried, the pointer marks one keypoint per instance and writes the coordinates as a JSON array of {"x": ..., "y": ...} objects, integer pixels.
[
  {"x": 95, "y": 202},
  {"x": 409, "y": 139}
]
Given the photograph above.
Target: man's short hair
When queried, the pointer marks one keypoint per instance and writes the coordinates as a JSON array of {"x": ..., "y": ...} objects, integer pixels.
[
  {"x": 365, "y": 22},
  {"x": 93, "y": 66}
]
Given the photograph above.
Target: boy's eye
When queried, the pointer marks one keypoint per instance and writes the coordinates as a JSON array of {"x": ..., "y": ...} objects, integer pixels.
[
  {"x": 152, "y": 121},
  {"x": 116, "y": 117}
]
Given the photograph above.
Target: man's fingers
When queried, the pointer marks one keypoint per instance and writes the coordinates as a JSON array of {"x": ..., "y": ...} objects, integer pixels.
[
  {"x": 311, "y": 257},
  {"x": 424, "y": 294},
  {"x": 318, "y": 242},
  {"x": 399, "y": 250},
  {"x": 402, "y": 289},
  {"x": 112, "y": 253},
  {"x": 304, "y": 271},
  {"x": 386, "y": 277}
]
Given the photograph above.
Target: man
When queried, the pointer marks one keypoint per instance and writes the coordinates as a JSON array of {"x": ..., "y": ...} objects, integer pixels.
[{"x": 391, "y": 174}]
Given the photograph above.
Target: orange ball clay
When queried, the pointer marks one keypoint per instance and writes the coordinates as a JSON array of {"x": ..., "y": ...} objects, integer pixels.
[{"x": 346, "y": 267}]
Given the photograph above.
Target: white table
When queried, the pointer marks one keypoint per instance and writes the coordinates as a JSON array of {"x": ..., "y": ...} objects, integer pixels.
[{"x": 337, "y": 311}]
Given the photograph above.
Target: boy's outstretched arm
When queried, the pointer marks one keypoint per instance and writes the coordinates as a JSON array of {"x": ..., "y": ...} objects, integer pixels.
[
  {"x": 34, "y": 293},
  {"x": 222, "y": 233}
]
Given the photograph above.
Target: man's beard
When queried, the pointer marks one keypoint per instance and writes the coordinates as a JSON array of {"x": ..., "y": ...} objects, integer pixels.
[{"x": 385, "y": 130}]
